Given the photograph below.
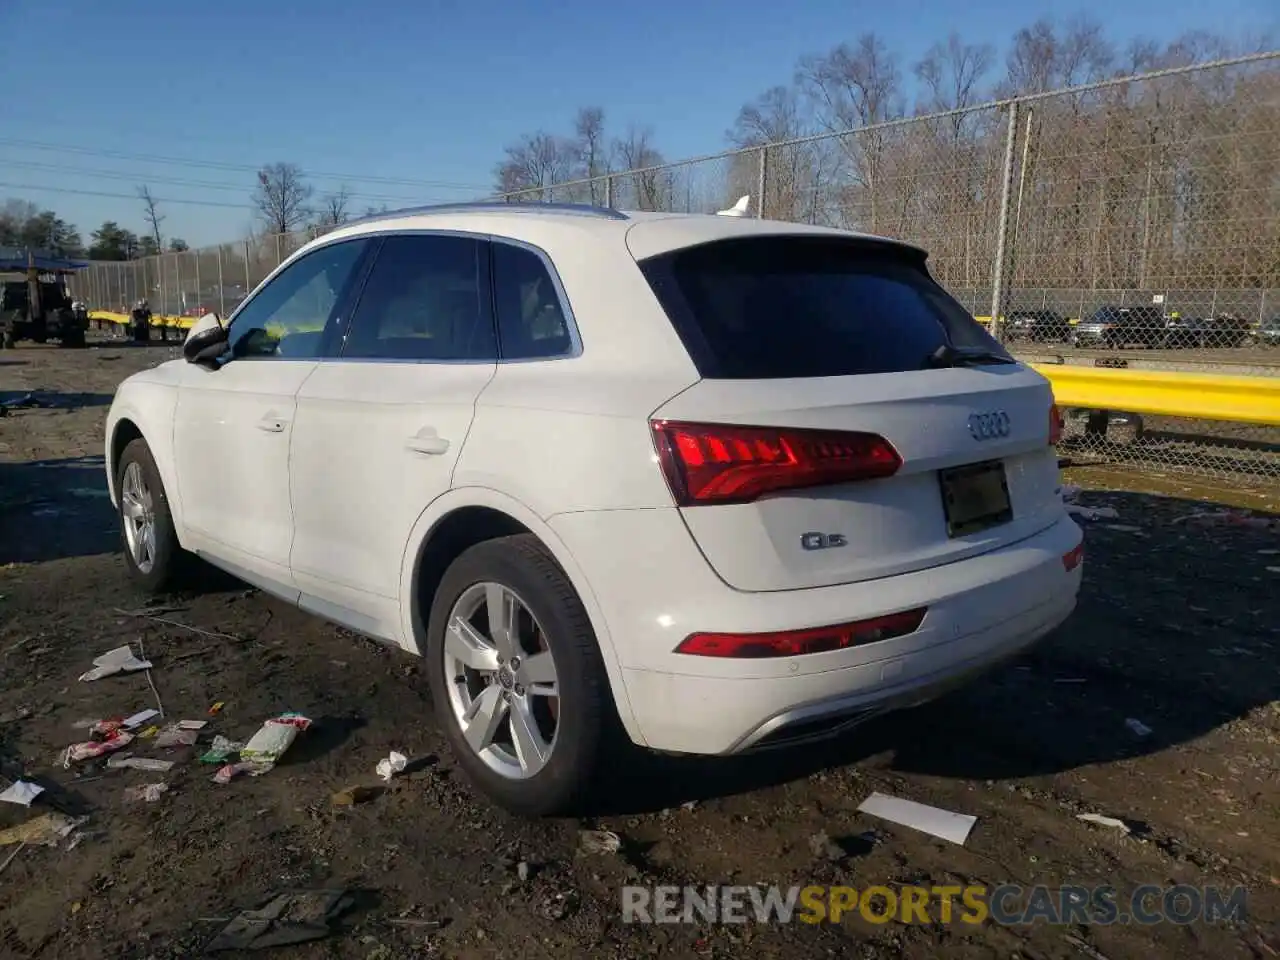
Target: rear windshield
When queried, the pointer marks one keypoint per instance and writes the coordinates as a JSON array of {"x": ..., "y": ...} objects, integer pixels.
[{"x": 765, "y": 308}]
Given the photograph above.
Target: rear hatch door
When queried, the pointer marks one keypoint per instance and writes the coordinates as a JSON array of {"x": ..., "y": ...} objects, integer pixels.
[{"x": 796, "y": 334}]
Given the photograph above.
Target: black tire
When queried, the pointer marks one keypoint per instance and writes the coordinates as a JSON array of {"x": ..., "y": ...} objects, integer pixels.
[
  {"x": 587, "y": 719},
  {"x": 171, "y": 564}
]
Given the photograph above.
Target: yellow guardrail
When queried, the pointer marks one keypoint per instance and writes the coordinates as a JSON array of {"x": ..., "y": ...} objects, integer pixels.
[
  {"x": 1161, "y": 393},
  {"x": 122, "y": 320}
]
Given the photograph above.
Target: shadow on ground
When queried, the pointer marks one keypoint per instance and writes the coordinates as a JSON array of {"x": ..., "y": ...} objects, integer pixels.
[
  {"x": 1175, "y": 630},
  {"x": 16, "y": 400},
  {"x": 51, "y": 509}
]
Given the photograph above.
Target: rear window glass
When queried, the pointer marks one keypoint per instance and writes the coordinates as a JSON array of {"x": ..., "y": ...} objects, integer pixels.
[{"x": 783, "y": 307}]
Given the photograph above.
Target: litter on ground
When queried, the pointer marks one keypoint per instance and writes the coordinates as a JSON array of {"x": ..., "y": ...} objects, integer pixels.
[
  {"x": 45, "y": 830},
  {"x": 119, "y": 660},
  {"x": 275, "y": 736},
  {"x": 120, "y": 761},
  {"x": 1138, "y": 728},
  {"x": 943, "y": 824},
  {"x": 112, "y": 742},
  {"x": 393, "y": 764},
  {"x": 22, "y": 793},
  {"x": 149, "y": 792},
  {"x": 600, "y": 841},
  {"x": 220, "y": 750},
  {"x": 1102, "y": 821},
  {"x": 297, "y": 916}
]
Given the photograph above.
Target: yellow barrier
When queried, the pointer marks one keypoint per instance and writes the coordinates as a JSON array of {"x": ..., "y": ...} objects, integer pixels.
[
  {"x": 1160, "y": 393},
  {"x": 122, "y": 319}
]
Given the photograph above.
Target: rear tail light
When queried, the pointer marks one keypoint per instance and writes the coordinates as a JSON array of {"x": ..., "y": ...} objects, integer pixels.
[
  {"x": 1073, "y": 558},
  {"x": 1055, "y": 425},
  {"x": 716, "y": 463},
  {"x": 795, "y": 643}
]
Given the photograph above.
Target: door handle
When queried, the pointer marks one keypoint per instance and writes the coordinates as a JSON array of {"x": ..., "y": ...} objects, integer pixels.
[
  {"x": 428, "y": 444},
  {"x": 272, "y": 424}
]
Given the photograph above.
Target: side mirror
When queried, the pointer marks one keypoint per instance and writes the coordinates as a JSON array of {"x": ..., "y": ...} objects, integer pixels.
[{"x": 206, "y": 342}]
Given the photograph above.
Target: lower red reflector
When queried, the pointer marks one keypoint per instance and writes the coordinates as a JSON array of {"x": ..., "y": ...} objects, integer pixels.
[
  {"x": 1073, "y": 558},
  {"x": 794, "y": 643}
]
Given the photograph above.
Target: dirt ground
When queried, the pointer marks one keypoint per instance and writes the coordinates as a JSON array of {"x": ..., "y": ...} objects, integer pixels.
[{"x": 1177, "y": 628}]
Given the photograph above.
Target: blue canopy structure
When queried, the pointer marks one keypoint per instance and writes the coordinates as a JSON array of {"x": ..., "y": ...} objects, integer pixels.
[{"x": 20, "y": 260}]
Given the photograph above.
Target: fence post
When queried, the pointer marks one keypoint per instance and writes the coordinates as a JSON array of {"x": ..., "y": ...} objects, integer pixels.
[
  {"x": 608, "y": 191},
  {"x": 222, "y": 291},
  {"x": 762, "y": 180},
  {"x": 1002, "y": 228},
  {"x": 199, "y": 297},
  {"x": 247, "y": 285}
]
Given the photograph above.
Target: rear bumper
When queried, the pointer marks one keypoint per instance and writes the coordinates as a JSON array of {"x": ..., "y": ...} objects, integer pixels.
[{"x": 657, "y": 589}]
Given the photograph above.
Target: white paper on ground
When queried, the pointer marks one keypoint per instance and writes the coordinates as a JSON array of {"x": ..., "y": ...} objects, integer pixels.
[
  {"x": 22, "y": 793},
  {"x": 138, "y": 719},
  {"x": 116, "y": 761},
  {"x": 115, "y": 661},
  {"x": 192, "y": 724},
  {"x": 940, "y": 823},
  {"x": 389, "y": 767}
]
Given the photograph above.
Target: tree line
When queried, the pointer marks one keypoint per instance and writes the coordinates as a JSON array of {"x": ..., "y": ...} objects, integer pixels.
[
  {"x": 1160, "y": 183},
  {"x": 281, "y": 198},
  {"x": 23, "y": 224}
]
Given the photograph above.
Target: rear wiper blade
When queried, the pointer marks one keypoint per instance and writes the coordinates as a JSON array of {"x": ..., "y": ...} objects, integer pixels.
[{"x": 949, "y": 356}]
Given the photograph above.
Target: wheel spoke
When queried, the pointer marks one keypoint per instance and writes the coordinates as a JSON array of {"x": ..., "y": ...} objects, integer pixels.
[
  {"x": 538, "y": 674},
  {"x": 465, "y": 644},
  {"x": 482, "y": 721},
  {"x": 502, "y": 608},
  {"x": 531, "y": 749},
  {"x": 130, "y": 505}
]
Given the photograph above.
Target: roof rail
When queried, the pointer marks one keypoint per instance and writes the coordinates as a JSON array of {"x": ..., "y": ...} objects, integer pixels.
[{"x": 495, "y": 206}]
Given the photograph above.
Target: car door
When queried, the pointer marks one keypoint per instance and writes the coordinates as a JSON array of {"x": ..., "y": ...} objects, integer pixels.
[
  {"x": 233, "y": 422},
  {"x": 380, "y": 424}
]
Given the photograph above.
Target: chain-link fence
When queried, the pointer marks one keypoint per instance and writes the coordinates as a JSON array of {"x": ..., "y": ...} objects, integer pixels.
[{"x": 1130, "y": 222}]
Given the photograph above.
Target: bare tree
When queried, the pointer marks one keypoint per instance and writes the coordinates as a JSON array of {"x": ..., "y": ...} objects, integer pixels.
[
  {"x": 592, "y": 153},
  {"x": 333, "y": 208},
  {"x": 282, "y": 197},
  {"x": 535, "y": 162},
  {"x": 952, "y": 74},
  {"x": 851, "y": 87},
  {"x": 635, "y": 151},
  {"x": 793, "y": 172},
  {"x": 151, "y": 214}
]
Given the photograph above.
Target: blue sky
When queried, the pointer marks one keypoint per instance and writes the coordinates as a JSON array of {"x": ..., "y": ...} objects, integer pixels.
[{"x": 427, "y": 91}]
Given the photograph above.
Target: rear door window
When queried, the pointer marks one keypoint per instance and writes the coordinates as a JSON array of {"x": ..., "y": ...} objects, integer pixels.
[
  {"x": 426, "y": 299},
  {"x": 788, "y": 307}
]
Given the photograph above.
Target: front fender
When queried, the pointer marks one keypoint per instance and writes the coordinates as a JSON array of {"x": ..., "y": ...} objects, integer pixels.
[
  {"x": 150, "y": 407},
  {"x": 412, "y": 619}
]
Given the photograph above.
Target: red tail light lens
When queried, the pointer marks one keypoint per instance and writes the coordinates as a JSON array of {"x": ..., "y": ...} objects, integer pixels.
[
  {"x": 795, "y": 643},
  {"x": 717, "y": 463},
  {"x": 1073, "y": 558},
  {"x": 1055, "y": 425}
]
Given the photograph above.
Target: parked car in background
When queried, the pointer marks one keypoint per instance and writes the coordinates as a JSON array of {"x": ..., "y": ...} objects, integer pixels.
[
  {"x": 1222, "y": 332},
  {"x": 1268, "y": 332},
  {"x": 1119, "y": 327},
  {"x": 707, "y": 484},
  {"x": 1039, "y": 326}
]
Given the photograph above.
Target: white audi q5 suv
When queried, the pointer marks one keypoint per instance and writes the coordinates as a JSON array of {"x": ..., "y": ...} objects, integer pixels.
[{"x": 718, "y": 483}]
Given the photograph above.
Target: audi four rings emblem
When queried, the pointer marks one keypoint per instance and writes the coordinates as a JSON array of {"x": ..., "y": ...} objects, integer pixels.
[{"x": 989, "y": 426}]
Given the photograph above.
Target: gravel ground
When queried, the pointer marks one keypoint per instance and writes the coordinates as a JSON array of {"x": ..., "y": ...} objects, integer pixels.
[{"x": 1176, "y": 629}]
